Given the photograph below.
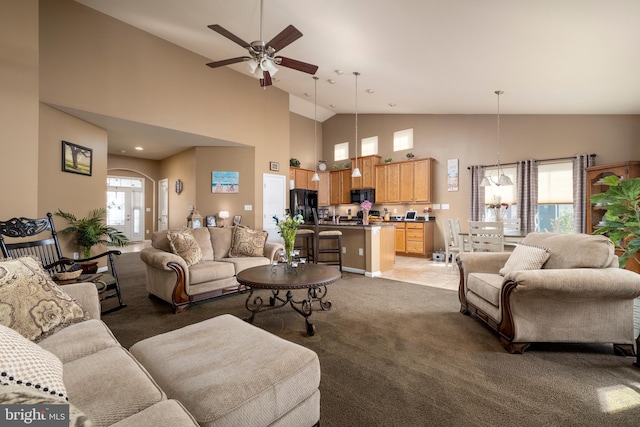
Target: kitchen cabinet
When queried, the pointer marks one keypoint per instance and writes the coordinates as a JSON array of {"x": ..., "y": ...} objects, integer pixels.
[
  {"x": 595, "y": 175},
  {"x": 302, "y": 178},
  {"x": 366, "y": 165},
  {"x": 340, "y": 184},
  {"x": 415, "y": 238},
  {"x": 404, "y": 182},
  {"x": 388, "y": 183},
  {"x": 324, "y": 189}
]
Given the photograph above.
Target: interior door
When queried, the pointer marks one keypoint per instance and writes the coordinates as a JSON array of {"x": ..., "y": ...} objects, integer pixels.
[
  {"x": 163, "y": 204},
  {"x": 274, "y": 202}
]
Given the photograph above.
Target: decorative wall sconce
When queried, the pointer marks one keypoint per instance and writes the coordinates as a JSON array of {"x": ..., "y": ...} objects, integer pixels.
[{"x": 178, "y": 186}]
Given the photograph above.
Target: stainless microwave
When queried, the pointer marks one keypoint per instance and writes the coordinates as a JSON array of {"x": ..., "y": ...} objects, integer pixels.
[{"x": 359, "y": 196}]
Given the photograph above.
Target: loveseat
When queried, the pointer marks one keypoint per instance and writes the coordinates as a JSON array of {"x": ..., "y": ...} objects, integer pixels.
[
  {"x": 183, "y": 269},
  {"x": 552, "y": 288},
  {"x": 71, "y": 356}
]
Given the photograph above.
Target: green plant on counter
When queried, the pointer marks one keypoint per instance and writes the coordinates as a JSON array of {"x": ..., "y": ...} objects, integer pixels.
[
  {"x": 388, "y": 160},
  {"x": 336, "y": 166},
  {"x": 347, "y": 165},
  {"x": 294, "y": 162}
]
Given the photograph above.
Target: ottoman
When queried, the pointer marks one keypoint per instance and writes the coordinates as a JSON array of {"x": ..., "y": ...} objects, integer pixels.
[{"x": 227, "y": 372}]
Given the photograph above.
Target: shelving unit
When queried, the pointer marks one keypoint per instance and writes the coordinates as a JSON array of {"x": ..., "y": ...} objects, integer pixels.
[{"x": 595, "y": 175}]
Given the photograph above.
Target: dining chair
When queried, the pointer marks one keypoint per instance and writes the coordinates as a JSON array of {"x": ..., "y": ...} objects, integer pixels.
[
  {"x": 511, "y": 225},
  {"x": 451, "y": 243},
  {"x": 486, "y": 236}
]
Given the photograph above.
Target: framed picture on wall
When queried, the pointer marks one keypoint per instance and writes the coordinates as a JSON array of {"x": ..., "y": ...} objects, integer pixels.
[
  {"x": 274, "y": 166},
  {"x": 237, "y": 219},
  {"x": 76, "y": 158},
  {"x": 211, "y": 221}
]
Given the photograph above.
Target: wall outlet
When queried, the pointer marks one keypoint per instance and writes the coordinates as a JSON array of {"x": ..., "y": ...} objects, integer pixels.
[
  {"x": 445, "y": 206},
  {"x": 344, "y": 249},
  {"x": 76, "y": 255},
  {"x": 436, "y": 206},
  {"x": 361, "y": 251},
  {"x": 248, "y": 207}
]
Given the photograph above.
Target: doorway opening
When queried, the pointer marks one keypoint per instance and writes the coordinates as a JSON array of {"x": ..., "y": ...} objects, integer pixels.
[{"x": 125, "y": 206}]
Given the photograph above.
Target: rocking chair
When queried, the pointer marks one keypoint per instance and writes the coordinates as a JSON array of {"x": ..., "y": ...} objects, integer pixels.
[{"x": 22, "y": 233}]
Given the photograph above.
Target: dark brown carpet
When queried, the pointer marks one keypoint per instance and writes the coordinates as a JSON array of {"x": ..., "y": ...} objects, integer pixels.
[{"x": 398, "y": 354}]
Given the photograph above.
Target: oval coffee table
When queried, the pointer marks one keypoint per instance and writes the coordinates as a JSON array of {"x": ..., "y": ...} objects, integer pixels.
[{"x": 278, "y": 277}]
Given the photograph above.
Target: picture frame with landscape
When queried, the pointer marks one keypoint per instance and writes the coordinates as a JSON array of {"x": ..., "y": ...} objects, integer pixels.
[{"x": 77, "y": 159}]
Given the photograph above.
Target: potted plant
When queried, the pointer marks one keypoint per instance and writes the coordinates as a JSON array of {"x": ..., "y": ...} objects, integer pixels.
[
  {"x": 621, "y": 221},
  {"x": 294, "y": 162},
  {"x": 92, "y": 230}
]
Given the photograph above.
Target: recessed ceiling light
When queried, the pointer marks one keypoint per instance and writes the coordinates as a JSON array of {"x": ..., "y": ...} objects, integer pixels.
[
  {"x": 331, "y": 81},
  {"x": 332, "y": 105},
  {"x": 370, "y": 91},
  {"x": 123, "y": 151},
  {"x": 307, "y": 94},
  {"x": 339, "y": 72},
  {"x": 391, "y": 104},
  {"x": 139, "y": 148}
]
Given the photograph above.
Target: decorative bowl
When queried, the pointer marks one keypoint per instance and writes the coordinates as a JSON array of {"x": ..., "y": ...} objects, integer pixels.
[{"x": 69, "y": 275}]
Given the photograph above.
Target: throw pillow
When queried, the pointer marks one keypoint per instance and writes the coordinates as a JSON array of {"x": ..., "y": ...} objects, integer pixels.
[
  {"x": 247, "y": 242},
  {"x": 26, "y": 364},
  {"x": 31, "y": 303},
  {"x": 17, "y": 395},
  {"x": 185, "y": 245},
  {"x": 525, "y": 258}
]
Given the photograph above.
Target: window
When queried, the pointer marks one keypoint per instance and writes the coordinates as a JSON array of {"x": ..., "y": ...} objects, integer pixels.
[
  {"x": 555, "y": 197},
  {"x": 341, "y": 151},
  {"x": 369, "y": 146},
  {"x": 403, "y": 140}
]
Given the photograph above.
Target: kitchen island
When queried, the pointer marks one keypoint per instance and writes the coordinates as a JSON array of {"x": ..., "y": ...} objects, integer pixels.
[{"x": 367, "y": 249}]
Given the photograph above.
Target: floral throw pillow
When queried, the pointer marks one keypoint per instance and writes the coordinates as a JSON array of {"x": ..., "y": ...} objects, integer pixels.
[
  {"x": 185, "y": 245},
  {"x": 247, "y": 242},
  {"x": 31, "y": 303}
]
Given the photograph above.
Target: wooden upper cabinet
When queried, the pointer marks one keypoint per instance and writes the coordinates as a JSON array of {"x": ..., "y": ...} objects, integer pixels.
[
  {"x": 324, "y": 189},
  {"x": 367, "y": 166},
  {"x": 302, "y": 178},
  {"x": 404, "y": 182},
  {"x": 340, "y": 187}
]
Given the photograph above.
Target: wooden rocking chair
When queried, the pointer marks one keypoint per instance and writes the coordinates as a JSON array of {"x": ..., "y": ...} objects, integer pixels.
[{"x": 38, "y": 237}]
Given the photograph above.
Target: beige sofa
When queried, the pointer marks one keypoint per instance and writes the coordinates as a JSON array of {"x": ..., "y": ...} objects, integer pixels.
[
  {"x": 271, "y": 381},
  {"x": 223, "y": 255},
  {"x": 577, "y": 295}
]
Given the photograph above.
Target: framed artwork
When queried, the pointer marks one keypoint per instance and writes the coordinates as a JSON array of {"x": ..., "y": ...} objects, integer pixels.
[
  {"x": 211, "y": 221},
  {"x": 237, "y": 219},
  {"x": 452, "y": 175},
  {"x": 274, "y": 166},
  {"x": 76, "y": 158},
  {"x": 225, "y": 182}
]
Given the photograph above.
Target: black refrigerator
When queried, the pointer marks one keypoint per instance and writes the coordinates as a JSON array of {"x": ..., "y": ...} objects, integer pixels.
[{"x": 302, "y": 201}]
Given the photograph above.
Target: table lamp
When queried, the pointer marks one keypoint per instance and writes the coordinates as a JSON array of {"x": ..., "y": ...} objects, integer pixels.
[{"x": 222, "y": 216}]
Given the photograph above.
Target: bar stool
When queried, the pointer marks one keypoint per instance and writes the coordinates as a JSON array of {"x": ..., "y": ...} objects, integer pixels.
[
  {"x": 334, "y": 235},
  {"x": 306, "y": 237}
]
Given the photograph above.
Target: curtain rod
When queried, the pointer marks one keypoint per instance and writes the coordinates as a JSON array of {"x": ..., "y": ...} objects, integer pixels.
[{"x": 542, "y": 160}]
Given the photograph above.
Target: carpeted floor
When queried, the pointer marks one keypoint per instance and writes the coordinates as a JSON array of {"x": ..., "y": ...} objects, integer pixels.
[{"x": 400, "y": 354}]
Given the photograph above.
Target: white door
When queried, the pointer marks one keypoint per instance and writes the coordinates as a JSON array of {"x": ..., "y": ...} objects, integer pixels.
[
  {"x": 163, "y": 204},
  {"x": 125, "y": 206},
  {"x": 274, "y": 201}
]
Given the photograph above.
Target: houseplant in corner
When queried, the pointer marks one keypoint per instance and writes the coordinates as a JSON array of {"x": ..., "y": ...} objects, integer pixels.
[
  {"x": 622, "y": 217},
  {"x": 92, "y": 230}
]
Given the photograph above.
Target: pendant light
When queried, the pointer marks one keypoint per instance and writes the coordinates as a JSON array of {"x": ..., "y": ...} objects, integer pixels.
[
  {"x": 502, "y": 178},
  {"x": 315, "y": 176},
  {"x": 356, "y": 172}
]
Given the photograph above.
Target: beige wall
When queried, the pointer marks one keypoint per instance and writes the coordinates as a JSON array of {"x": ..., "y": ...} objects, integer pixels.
[
  {"x": 19, "y": 108},
  {"x": 302, "y": 141},
  {"x": 472, "y": 140}
]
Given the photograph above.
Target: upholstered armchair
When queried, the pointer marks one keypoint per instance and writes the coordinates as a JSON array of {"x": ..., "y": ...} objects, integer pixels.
[{"x": 552, "y": 288}]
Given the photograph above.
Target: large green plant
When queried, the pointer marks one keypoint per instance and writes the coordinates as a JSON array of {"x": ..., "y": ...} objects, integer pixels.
[
  {"x": 92, "y": 230},
  {"x": 622, "y": 216}
]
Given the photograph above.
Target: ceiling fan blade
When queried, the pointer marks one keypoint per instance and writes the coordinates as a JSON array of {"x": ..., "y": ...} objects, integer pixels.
[
  {"x": 285, "y": 38},
  {"x": 230, "y": 61},
  {"x": 266, "y": 81},
  {"x": 218, "y": 29},
  {"x": 296, "y": 65}
]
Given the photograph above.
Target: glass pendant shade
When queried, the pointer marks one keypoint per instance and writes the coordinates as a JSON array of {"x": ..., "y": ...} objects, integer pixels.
[
  {"x": 485, "y": 182},
  {"x": 504, "y": 180},
  {"x": 356, "y": 173},
  {"x": 315, "y": 177}
]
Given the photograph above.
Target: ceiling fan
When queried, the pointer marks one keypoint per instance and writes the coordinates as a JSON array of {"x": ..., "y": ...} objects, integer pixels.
[{"x": 262, "y": 60}]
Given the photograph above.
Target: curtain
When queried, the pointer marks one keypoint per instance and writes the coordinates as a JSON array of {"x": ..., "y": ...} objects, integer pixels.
[
  {"x": 580, "y": 162},
  {"x": 527, "y": 194},
  {"x": 476, "y": 207}
]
